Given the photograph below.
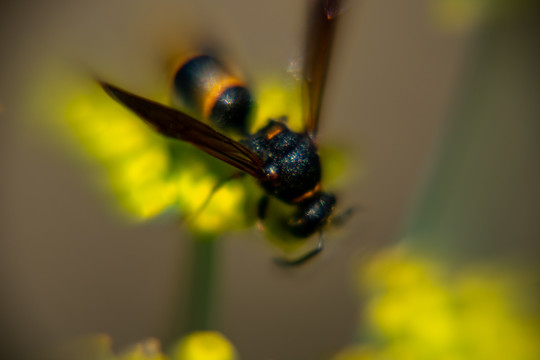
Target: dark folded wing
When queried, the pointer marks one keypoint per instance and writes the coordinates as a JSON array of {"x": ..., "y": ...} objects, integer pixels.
[
  {"x": 177, "y": 125},
  {"x": 320, "y": 35}
]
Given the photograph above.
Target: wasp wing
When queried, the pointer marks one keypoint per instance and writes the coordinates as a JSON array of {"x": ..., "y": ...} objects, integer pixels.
[
  {"x": 320, "y": 35},
  {"x": 177, "y": 125}
]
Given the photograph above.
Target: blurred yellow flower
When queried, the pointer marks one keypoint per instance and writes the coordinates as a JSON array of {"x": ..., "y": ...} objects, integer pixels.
[
  {"x": 204, "y": 345},
  {"x": 419, "y": 309},
  {"x": 276, "y": 100},
  {"x": 99, "y": 347},
  {"x": 355, "y": 352},
  {"x": 466, "y": 14},
  {"x": 146, "y": 173},
  {"x": 149, "y": 349}
]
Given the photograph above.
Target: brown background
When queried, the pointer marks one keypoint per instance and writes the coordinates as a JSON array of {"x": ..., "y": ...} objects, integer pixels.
[{"x": 68, "y": 266}]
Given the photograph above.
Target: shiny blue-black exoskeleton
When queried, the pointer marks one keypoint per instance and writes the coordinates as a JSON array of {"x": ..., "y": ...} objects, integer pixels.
[
  {"x": 285, "y": 163},
  {"x": 291, "y": 165}
]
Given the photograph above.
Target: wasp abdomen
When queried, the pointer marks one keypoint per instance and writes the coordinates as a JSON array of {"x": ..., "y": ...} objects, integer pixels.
[{"x": 205, "y": 86}]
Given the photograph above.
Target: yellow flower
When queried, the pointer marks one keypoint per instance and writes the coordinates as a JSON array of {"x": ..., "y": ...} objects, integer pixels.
[
  {"x": 467, "y": 14},
  {"x": 149, "y": 349},
  {"x": 419, "y": 309},
  {"x": 99, "y": 347},
  {"x": 145, "y": 172},
  {"x": 204, "y": 345}
]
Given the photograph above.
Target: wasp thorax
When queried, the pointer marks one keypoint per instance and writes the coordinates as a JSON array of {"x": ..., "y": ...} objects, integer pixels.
[{"x": 291, "y": 161}]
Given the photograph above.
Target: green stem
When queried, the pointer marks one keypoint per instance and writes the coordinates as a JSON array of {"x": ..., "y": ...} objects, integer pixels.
[
  {"x": 200, "y": 291},
  {"x": 202, "y": 294}
]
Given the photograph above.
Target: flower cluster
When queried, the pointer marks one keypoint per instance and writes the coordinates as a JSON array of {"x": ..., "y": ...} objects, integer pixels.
[
  {"x": 418, "y": 309},
  {"x": 204, "y": 345}
]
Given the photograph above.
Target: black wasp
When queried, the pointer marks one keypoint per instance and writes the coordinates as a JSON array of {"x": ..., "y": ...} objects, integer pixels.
[{"x": 285, "y": 163}]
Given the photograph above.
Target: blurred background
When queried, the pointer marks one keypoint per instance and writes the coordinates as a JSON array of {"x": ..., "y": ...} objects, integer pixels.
[{"x": 435, "y": 101}]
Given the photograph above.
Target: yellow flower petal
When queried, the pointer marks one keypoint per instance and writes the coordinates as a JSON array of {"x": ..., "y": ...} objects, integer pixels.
[{"x": 205, "y": 345}]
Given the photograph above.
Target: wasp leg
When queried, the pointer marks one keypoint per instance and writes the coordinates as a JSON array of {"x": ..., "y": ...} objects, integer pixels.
[
  {"x": 262, "y": 210},
  {"x": 262, "y": 207},
  {"x": 342, "y": 218},
  {"x": 217, "y": 186},
  {"x": 304, "y": 258}
]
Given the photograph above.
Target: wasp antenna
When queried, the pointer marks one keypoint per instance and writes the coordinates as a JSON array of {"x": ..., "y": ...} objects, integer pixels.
[{"x": 343, "y": 217}]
